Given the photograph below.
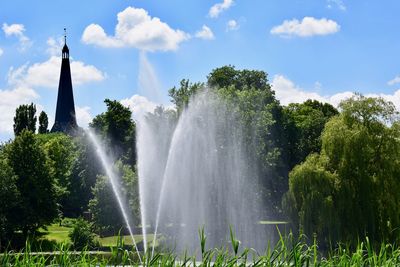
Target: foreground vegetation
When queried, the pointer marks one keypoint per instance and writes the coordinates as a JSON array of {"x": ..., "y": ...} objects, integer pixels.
[{"x": 287, "y": 252}]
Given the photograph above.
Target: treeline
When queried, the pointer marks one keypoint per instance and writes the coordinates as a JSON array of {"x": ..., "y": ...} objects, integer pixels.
[
  {"x": 47, "y": 176},
  {"x": 330, "y": 173}
]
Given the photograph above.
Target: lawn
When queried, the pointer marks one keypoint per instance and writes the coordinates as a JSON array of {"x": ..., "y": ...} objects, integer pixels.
[
  {"x": 112, "y": 240},
  {"x": 60, "y": 235},
  {"x": 56, "y": 232}
]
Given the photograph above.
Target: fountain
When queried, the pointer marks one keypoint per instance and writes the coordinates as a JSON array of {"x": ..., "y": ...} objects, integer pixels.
[
  {"x": 198, "y": 171},
  {"x": 115, "y": 184}
]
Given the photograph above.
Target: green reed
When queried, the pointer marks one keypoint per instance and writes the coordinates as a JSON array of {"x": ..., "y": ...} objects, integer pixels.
[{"x": 288, "y": 251}]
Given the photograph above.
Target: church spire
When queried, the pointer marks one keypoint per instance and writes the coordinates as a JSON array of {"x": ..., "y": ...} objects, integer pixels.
[
  {"x": 65, "y": 50},
  {"x": 65, "y": 112}
]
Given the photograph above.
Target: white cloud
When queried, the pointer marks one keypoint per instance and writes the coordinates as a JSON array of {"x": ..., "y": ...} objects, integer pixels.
[
  {"x": 54, "y": 46},
  {"x": 339, "y": 97},
  {"x": 232, "y": 25},
  {"x": 309, "y": 26},
  {"x": 139, "y": 105},
  {"x": 47, "y": 74},
  {"x": 287, "y": 92},
  {"x": 216, "y": 9},
  {"x": 18, "y": 31},
  {"x": 135, "y": 28},
  {"x": 1, "y": 52},
  {"x": 83, "y": 116},
  {"x": 394, "y": 81},
  {"x": 205, "y": 33},
  {"x": 14, "y": 29},
  {"x": 337, "y": 3},
  {"x": 9, "y": 100},
  {"x": 95, "y": 34}
]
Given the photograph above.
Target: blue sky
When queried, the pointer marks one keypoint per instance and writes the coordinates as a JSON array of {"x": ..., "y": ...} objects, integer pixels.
[{"x": 134, "y": 51}]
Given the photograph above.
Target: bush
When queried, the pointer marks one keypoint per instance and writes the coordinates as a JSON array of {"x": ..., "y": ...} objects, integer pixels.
[
  {"x": 82, "y": 236},
  {"x": 68, "y": 222}
]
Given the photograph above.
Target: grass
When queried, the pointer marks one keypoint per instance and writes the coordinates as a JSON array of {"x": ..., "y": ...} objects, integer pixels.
[
  {"x": 59, "y": 234},
  {"x": 56, "y": 233},
  {"x": 287, "y": 252},
  {"x": 112, "y": 240}
]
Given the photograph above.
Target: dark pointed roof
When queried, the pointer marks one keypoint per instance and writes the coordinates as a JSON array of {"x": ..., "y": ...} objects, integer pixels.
[
  {"x": 65, "y": 49},
  {"x": 65, "y": 112}
]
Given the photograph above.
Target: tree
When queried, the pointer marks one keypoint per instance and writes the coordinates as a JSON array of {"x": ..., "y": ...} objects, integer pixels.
[
  {"x": 62, "y": 153},
  {"x": 43, "y": 123},
  {"x": 310, "y": 199},
  {"x": 9, "y": 200},
  {"x": 34, "y": 183},
  {"x": 304, "y": 125},
  {"x": 356, "y": 172},
  {"x": 25, "y": 118},
  {"x": 240, "y": 79},
  {"x": 117, "y": 127},
  {"x": 262, "y": 116},
  {"x": 181, "y": 96},
  {"x": 250, "y": 94},
  {"x": 104, "y": 207}
]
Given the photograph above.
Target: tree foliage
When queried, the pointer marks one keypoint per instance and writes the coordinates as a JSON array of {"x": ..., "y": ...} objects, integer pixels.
[
  {"x": 25, "y": 118},
  {"x": 62, "y": 153},
  {"x": 82, "y": 235},
  {"x": 351, "y": 188},
  {"x": 181, "y": 96},
  {"x": 303, "y": 127},
  {"x": 117, "y": 127},
  {"x": 34, "y": 182},
  {"x": 43, "y": 123},
  {"x": 227, "y": 76},
  {"x": 263, "y": 118},
  {"x": 9, "y": 200},
  {"x": 104, "y": 207}
]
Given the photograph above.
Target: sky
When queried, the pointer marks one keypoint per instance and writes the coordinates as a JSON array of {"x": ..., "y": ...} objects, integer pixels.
[{"x": 134, "y": 51}]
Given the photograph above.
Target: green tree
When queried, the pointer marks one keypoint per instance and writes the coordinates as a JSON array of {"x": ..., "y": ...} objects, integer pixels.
[
  {"x": 263, "y": 120},
  {"x": 240, "y": 79},
  {"x": 62, "y": 153},
  {"x": 181, "y": 96},
  {"x": 34, "y": 183},
  {"x": 304, "y": 125},
  {"x": 25, "y": 118},
  {"x": 9, "y": 200},
  {"x": 43, "y": 123},
  {"x": 104, "y": 207},
  {"x": 359, "y": 166},
  {"x": 117, "y": 127},
  {"x": 83, "y": 173},
  {"x": 310, "y": 199}
]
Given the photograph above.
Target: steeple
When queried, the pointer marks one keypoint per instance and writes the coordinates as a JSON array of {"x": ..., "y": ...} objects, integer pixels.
[
  {"x": 65, "y": 50},
  {"x": 65, "y": 112}
]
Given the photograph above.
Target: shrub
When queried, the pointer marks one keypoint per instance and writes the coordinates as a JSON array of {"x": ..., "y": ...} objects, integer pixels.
[{"x": 82, "y": 236}]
